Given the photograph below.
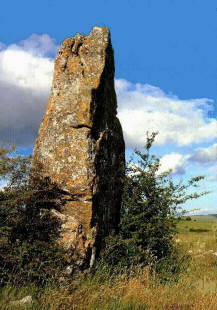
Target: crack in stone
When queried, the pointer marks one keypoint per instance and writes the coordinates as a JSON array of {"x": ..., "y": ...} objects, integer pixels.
[{"x": 79, "y": 126}]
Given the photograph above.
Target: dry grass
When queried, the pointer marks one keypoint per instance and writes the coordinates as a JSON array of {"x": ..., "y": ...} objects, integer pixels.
[{"x": 196, "y": 289}]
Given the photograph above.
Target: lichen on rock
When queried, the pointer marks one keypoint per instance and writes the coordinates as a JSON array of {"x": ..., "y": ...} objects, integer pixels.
[{"x": 80, "y": 145}]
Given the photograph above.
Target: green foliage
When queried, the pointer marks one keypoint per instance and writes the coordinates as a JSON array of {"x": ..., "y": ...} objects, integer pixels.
[
  {"x": 28, "y": 251},
  {"x": 170, "y": 267},
  {"x": 28, "y": 231},
  {"x": 150, "y": 209}
]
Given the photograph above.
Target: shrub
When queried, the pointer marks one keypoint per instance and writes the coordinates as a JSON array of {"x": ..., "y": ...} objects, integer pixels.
[
  {"x": 28, "y": 233},
  {"x": 149, "y": 213}
]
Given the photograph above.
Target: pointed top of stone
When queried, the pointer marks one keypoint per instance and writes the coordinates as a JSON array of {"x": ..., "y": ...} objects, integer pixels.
[{"x": 101, "y": 33}]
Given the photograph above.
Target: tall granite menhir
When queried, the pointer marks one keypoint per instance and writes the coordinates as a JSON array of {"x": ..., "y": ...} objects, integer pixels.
[{"x": 80, "y": 146}]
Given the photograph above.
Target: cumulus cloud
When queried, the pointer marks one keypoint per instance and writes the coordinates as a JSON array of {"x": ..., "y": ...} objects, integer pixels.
[
  {"x": 2, "y": 46},
  {"x": 205, "y": 155},
  {"x": 42, "y": 45},
  {"x": 145, "y": 107},
  {"x": 175, "y": 162},
  {"x": 25, "y": 78},
  {"x": 26, "y": 70}
]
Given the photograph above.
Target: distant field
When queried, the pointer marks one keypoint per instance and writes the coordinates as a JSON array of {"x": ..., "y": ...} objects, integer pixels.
[
  {"x": 204, "y": 218},
  {"x": 197, "y": 226}
]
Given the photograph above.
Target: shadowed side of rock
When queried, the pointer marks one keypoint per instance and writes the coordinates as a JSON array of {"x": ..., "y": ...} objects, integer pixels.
[{"x": 80, "y": 146}]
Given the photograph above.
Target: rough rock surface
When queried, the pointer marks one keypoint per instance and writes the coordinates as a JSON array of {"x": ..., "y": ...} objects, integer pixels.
[{"x": 80, "y": 146}]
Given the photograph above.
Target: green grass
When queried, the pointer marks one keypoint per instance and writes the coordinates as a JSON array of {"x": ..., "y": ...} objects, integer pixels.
[
  {"x": 9, "y": 294},
  {"x": 205, "y": 218},
  {"x": 185, "y": 227},
  {"x": 195, "y": 289}
]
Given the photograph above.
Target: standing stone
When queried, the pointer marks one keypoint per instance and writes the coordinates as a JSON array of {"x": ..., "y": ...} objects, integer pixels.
[{"x": 80, "y": 146}]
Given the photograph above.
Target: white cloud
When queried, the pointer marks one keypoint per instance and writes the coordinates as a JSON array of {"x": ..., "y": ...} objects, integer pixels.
[
  {"x": 26, "y": 71},
  {"x": 145, "y": 107},
  {"x": 25, "y": 79},
  {"x": 39, "y": 45},
  {"x": 175, "y": 162},
  {"x": 205, "y": 155},
  {"x": 27, "y": 64}
]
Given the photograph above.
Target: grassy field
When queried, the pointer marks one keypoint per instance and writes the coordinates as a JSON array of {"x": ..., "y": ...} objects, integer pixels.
[
  {"x": 205, "y": 218},
  {"x": 196, "y": 287}
]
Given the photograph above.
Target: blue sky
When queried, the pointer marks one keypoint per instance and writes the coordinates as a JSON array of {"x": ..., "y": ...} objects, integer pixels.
[{"x": 165, "y": 55}]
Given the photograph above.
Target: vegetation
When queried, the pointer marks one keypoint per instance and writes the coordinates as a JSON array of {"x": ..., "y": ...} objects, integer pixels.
[
  {"x": 28, "y": 252},
  {"x": 150, "y": 209},
  {"x": 203, "y": 218},
  {"x": 136, "y": 289},
  {"x": 156, "y": 261}
]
